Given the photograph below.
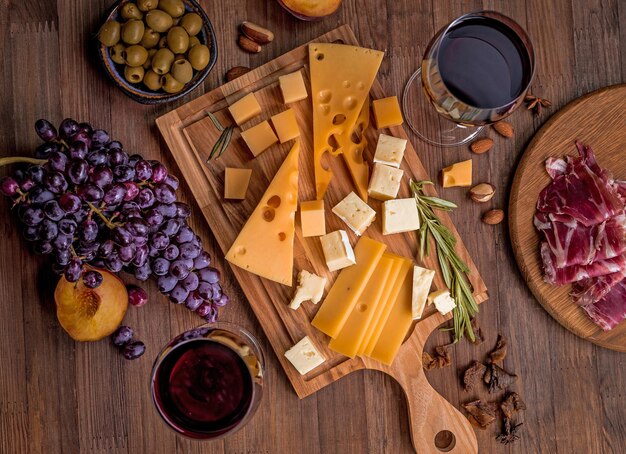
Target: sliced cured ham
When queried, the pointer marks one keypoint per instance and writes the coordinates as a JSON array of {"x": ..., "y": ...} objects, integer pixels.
[
  {"x": 589, "y": 291},
  {"x": 568, "y": 274},
  {"x": 611, "y": 309}
]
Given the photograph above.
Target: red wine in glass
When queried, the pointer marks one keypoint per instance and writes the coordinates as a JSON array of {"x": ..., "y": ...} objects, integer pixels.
[{"x": 206, "y": 383}]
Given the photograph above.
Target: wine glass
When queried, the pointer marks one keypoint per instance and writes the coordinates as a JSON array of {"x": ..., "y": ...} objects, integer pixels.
[
  {"x": 475, "y": 71},
  {"x": 207, "y": 382}
]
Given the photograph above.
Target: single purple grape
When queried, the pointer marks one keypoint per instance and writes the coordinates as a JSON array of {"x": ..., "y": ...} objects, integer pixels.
[
  {"x": 221, "y": 301},
  {"x": 159, "y": 240},
  {"x": 184, "y": 235},
  {"x": 97, "y": 157},
  {"x": 32, "y": 216},
  {"x": 160, "y": 266},
  {"x": 67, "y": 226},
  {"x": 217, "y": 291},
  {"x": 92, "y": 279},
  {"x": 116, "y": 145},
  {"x": 106, "y": 248},
  {"x": 44, "y": 247},
  {"x": 78, "y": 150},
  {"x": 166, "y": 283},
  {"x": 159, "y": 173},
  {"x": 45, "y": 130},
  {"x": 57, "y": 161},
  {"x": 153, "y": 217},
  {"x": 182, "y": 210},
  {"x": 193, "y": 301},
  {"x": 27, "y": 184},
  {"x": 190, "y": 250},
  {"x": 141, "y": 255},
  {"x": 62, "y": 257},
  {"x": 88, "y": 231},
  {"x": 191, "y": 282},
  {"x": 205, "y": 290},
  {"x": 142, "y": 273},
  {"x": 203, "y": 260},
  {"x": 122, "y": 336},
  {"x": 137, "y": 227},
  {"x": 53, "y": 211},
  {"x": 31, "y": 233},
  {"x": 122, "y": 236},
  {"x": 9, "y": 187},
  {"x": 204, "y": 309},
  {"x": 101, "y": 176},
  {"x": 82, "y": 136},
  {"x": 113, "y": 263},
  {"x": 100, "y": 137},
  {"x": 167, "y": 210},
  {"x": 36, "y": 173},
  {"x": 171, "y": 252},
  {"x": 78, "y": 171},
  {"x": 179, "y": 269},
  {"x": 133, "y": 350},
  {"x": 127, "y": 253},
  {"x": 74, "y": 270},
  {"x": 55, "y": 182},
  {"x": 48, "y": 230},
  {"x": 40, "y": 195},
  {"x": 137, "y": 296},
  {"x": 212, "y": 316},
  {"x": 131, "y": 191},
  {"x": 172, "y": 181},
  {"x": 210, "y": 275},
  {"x": 123, "y": 173},
  {"x": 178, "y": 294},
  {"x": 89, "y": 192},
  {"x": 117, "y": 156},
  {"x": 133, "y": 159},
  {"x": 69, "y": 202},
  {"x": 43, "y": 150},
  {"x": 143, "y": 170},
  {"x": 62, "y": 242},
  {"x": 145, "y": 198},
  {"x": 164, "y": 193},
  {"x": 68, "y": 128},
  {"x": 114, "y": 195},
  {"x": 171, "y": 227}
]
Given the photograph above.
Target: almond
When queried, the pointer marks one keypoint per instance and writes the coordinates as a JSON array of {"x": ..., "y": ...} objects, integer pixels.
[
  {"x": 493, "y": 217},
  {"x": 482, "y": 192},
  {"x": 504, "y": 129},
  {"x": 256, "y": 33},
  {"x": 235, "y": 72},
  {"x": 481, "y": 146},
  {"x": 248, "y": 45}
]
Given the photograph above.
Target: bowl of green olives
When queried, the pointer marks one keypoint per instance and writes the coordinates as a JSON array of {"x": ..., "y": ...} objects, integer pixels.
[{"x": 157, "y": 51}]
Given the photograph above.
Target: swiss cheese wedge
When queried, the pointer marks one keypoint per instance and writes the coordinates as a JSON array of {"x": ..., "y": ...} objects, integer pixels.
[
  {"x": 341, "y": 78},
  {"x": 265, "y": 244},
  {"x": 353, "y": 152}
]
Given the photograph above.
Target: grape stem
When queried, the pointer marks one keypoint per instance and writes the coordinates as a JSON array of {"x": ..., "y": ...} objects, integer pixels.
[
  {"x": 106, "y": 221},
  {"x": 18, "y": 159}
]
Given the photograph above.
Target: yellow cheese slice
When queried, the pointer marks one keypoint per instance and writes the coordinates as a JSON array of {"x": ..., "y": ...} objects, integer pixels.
[
  {"x": 381, "y": 320},
  {"x": 384, "y": 300},
  {"x": 341, "y": 78},
  {"x": 348, "y": 287},
  {"x": 397, "y": 325},
  {"x": 269, "y": 232},
  {"x": 353, "y": 152},
  {"x": 349, "y": 339}
]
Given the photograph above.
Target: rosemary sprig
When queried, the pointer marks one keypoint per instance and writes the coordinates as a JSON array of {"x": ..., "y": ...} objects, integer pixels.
[
  {"x": 224, "y": 139},
  {"x": 453, "y": 268},
  {"x": 215, "y": 121}
]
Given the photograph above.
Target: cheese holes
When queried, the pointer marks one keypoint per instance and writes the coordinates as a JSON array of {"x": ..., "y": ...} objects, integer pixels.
[
  {"x": 360, "y": 85},
  {"x": 339, "y": 119},
  {"x": 349, "y": 103},
  {"x": 282, "y": 236},
  {"x": 274, "y": 201},
  {"x": 362, "y": 307},
  {"x": 325, "y": 109},
  {"x": 269, "y": 214},
  {"x": 319, "y": 57},
  {"x": 325, "y": 96},
  {"x": 346, "y": 84}
]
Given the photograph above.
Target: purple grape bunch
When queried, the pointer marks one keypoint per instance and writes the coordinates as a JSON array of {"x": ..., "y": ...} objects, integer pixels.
[{"x": 84, "y": 200}]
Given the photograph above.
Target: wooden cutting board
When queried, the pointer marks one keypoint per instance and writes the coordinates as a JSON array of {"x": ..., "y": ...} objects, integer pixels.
[
  {"x": 190, "y": 136},
  {"x": 598, "y": 120}
]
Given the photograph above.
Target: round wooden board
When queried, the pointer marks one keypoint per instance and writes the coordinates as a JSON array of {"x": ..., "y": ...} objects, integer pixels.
[{"x": 598, "y": 120}]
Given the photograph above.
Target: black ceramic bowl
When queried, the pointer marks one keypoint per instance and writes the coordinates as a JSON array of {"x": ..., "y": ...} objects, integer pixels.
[{"x": 140, "y": 92}]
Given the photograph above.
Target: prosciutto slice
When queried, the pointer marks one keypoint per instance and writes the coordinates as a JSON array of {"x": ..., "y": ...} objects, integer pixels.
[
  {"x": 611, "y": 309},
  {"x": 574, "y": 273},
  {"x": 588, "y": 291},
  {"x": 580, "y": 189}
]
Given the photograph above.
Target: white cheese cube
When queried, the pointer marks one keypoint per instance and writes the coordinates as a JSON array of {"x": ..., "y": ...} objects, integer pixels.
[
  {"x": 400, "y": 216},
  {"x": 385, "y": 182},
  {"x": 304, "y": 356},
  {"x": 357, "y": 214},
  {"x": 337, "y": 250},
  {"x": 422, "y": 280},
  {"x": 389, "y": 150},
  {"x": 442, "y": 301},
  {"x": 310, "y": 288}
]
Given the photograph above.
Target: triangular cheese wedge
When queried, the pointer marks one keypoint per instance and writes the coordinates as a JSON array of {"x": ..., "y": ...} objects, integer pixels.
[
  {"x": 265, "y": 244},
  {"x": 341, "y": 78},
  {"x": 353, "y": 152}
]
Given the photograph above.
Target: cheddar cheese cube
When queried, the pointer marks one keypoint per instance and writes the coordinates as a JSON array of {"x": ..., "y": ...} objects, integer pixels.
[
  {"x": 387, "y": 112},
  {"x": 312, "y": 218},
  {"x": 293, "y": 88},
  {"x": 286, "y": 126},
  {"x": 246, "y": 108},
  {"x": 259, "y": 138},
  {"x": 389, "y": 150},
  {"x": 385, "y": 182},
  {"x": 236, "y": 183},
  {"x": 459, "y": 174},
  {"x": 357, "y": 214}
]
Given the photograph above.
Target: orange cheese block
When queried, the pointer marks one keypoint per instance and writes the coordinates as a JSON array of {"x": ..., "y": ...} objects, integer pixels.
[
  {"x": 246, "y": 108},
  {"x": 349, "y": 339},
  {"x": 381, "y": 319},
  {"x": 387, "y": 112},
  {"x": 341, "y": 78},
  {"x": 269, "y": 232},
  {"x": 353, "y": 152},
  {"x": 259, "y": 138},
  {"x": 397, "y": 325},
  {"x": 377, "y": 309},
  {"x": 348, "y": 287},
  {"x": 236, "y": 183}
]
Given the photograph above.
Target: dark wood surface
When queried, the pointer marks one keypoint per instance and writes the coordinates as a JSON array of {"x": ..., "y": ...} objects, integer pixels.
[{"x": 59, "y": 396}]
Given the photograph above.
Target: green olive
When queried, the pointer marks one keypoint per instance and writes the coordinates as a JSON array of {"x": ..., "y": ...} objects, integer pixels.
[
  {"x": 132, "y": 31},
  {"x": 148, "y": 63},
  {"x": 135, "y": 55},
  {"x": 133, "y": 74},
  {"x": 178, "y": 40},
  {"x": 182, "y": 71},
  {"x": 192, "y": 23},
  {"x": 198, "y": 56},
  {"x": 150, "y": 38},
  {"x": 152, "y": 80},
  {"x": 130, "y": 11},
  {"x": 193, "y": 40},
  {"x": 162, "y": 61},
  {"x": 147, "y": 5},
  {"x": 109, "y": 33},
  {"x": 159, "y": 21},
  {"x": 174, "y": 8},
  {"x": 117, "y": 54},
  {"x": 171, "y": 85}
]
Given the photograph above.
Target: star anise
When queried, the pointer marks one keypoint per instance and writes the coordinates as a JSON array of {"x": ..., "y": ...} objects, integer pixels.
[
  {"x": 536, "y": 104},
  {"x": 510, "y": 432}
]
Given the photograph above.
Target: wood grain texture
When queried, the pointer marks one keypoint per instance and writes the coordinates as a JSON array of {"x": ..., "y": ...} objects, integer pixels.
[
  {"x": 57, "y": 396},
  {"x": 597, "y": 120}
]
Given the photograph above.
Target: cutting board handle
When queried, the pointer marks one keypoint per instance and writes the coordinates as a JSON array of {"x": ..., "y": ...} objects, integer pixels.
[{"x": 431, "y": 417}]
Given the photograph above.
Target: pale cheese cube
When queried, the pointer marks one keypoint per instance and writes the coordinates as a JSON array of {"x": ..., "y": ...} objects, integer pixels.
[
  {"x": 442, "y": 300},
  {"x": 422, "y": 280},
  {"x": 399, "y": 216},
  {"x": 304, "y": 356},
  {"x": 385, "y": 182},
  {"x": 337, "y": 250},
  {"x": 389, "y": 150},
  {"x": 357, "y": 214},
  {"x": 310, "y": 288}
]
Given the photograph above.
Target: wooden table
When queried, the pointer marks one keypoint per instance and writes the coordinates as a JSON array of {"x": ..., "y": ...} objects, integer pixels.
[{"x": 60, "y": 396}]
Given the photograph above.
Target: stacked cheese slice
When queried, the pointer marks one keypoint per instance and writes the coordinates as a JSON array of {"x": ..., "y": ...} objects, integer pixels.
[{"x": 368, "y": 310}]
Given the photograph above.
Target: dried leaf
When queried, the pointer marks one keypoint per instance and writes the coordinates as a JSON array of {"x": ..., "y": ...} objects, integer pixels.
[
  {"x": 511, "y": 404},
  {"x": 482, "y": 413},
  {"x": 510, "y": 432},
  {"x": 499, "y": 379},
  {"x": 473, "y": 375},
  {"x": 499, "y": 352}
]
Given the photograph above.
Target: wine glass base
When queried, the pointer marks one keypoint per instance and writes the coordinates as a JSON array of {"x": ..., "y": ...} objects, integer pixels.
[{"x": 424, "y": 120}]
